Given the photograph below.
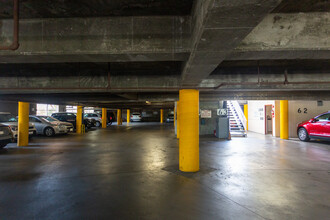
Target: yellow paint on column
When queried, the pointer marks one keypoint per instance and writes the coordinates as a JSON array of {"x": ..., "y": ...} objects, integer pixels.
[
  {"x": 189, "y": 130},
  {"x": 284, "y": 119},
  {"x": 128, "y": 116},
  {"x": 23, "y": 124},
  {"x": 79, "y": 120},
  {"x": 178, "y": 120},
  {"x": 119, "y": 121},
  {"x": 161, "y": 116},
  {"x": 104, "y": 117},
  {"x": 246, "y": 114}
]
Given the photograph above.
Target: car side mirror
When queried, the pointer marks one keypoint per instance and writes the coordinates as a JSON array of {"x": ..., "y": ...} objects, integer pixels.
[{"x": 313, "y": 120}]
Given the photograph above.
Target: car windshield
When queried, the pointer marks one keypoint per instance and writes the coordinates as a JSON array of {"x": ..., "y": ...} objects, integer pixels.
[
  {"x": 7, "y": 118},
  {"x": 48, "y": 118}
]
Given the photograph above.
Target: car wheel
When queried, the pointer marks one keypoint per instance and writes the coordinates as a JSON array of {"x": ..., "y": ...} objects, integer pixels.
[
  {"x": 98, "y": 124},
  {"x": 303, "y": 134},
  {"x": 49, "y": 132}
]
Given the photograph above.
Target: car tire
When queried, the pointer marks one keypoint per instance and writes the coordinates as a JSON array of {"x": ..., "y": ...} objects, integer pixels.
[
  {"x": 97, "y": 124},
  {"x": 303, "y": 134},
  {"x": 49, "y": 132}
]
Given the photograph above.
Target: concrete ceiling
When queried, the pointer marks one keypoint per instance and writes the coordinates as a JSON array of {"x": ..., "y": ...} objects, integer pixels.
[
  {"x": 95, "y": 8},
  {"x": 125, "y": 52}
]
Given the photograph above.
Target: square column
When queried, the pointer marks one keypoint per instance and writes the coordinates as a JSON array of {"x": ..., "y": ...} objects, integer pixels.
[
  {"x": 119, "y": 120},
  {"x": 104, "y": 118},
  {"x": 128, "y": 116},
  {"x": 284, "y": 119},
  {"x": 79, "y": 120},
  {"x": 161, "y": 116},
  {"x": 189, "y": 130},
  {"x": 23, "y": 124}
]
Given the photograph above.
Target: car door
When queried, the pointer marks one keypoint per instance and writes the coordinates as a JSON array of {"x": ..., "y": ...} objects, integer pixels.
[
  {"x": 38, "y": 124},
  {"x": 320, "y": 127}
]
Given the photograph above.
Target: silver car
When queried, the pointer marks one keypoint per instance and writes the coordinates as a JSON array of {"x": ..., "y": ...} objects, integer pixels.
[
  {"x": 6, "y": 135},
  {"x": 97, "y": 117},
  {"x": 10, "y": 120},
  {"x": 49, "y": 126}
]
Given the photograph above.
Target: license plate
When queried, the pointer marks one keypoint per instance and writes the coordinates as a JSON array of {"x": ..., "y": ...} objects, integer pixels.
[
  {"x": 31, "y": 132},
  {"x": 2, "y": 132},
  {"x": 71, "y": 129}
]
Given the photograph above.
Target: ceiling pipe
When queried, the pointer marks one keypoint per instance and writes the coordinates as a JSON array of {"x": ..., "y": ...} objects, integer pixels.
[{"x": 14, "y": 45}]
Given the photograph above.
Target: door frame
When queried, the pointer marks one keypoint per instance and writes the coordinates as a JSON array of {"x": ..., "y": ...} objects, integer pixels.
[{"x": 265, "y": 118}]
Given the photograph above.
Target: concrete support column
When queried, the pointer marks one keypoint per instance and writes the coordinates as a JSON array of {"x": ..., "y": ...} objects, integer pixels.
[
  {"x": 189, "y": 130},
  {"x": 161, "y": 116},
  {"x": 284, "y": 119},
  {"x": 128, "y": 116},
  {"x": 119, "y": 120},
  {"x": 79, "y": 119},
  {"x": 104, "y": 117},
  {"x": 23, "y": 124},
  {"x": 246, "y": 114}
]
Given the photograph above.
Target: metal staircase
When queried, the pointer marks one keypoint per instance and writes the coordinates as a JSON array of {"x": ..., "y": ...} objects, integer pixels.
[{"x": 237, "y": 120}]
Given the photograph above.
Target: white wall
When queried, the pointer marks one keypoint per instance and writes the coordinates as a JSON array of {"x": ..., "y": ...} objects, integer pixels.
[
  {"x": 256, "y": 115},
  {"x": 311, "y": 108}
]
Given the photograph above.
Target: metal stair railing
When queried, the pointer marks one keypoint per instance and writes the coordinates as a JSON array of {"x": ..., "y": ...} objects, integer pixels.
[{"x": 240, "y": 113}]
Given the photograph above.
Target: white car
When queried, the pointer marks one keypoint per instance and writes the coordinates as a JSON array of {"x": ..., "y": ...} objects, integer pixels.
[
  {"x": 10, "y": 120},
  {"x": 49, "y": 126},
  {"x": 136, "y": 116},
  {"x": 97, "y": 117}
]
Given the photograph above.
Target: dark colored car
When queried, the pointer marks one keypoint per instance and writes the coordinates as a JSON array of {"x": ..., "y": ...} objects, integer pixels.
[
  {"x": 6, "y": 135},
  {"x": 317, "y": 128},
  {"x": 71, "y": 117},
  {"x": 170, "y": 118}
]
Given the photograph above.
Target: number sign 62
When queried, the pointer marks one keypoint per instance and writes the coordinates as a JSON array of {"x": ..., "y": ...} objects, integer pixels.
[{"x": 305, "y": 110}]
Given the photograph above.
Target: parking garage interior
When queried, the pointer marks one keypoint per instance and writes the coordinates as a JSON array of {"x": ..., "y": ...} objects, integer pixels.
[{"x": 204, "y": 109}]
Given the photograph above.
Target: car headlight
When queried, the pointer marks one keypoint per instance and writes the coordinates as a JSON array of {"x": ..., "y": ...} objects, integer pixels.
[{"x": 13, "y": 128}]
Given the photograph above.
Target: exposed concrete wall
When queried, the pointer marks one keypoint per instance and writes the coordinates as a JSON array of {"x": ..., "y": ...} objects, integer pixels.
[
  {"x": 11, "y": 107},
  {"x": 102, "y": 39},
  {"x": 210, "y": 123},
  {"x": 309, "y": 109}
]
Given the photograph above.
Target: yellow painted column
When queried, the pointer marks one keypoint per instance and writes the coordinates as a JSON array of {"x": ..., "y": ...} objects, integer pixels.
[
  {"x": 79, "y": 119},
  {"x": 23, "y": 124},
  {"x": 161, "y": 116},
  {"x": 178, "y": 120},
  {"x": 104, "y": 118},
  {"x": 246, "y": 114},
  {"x": 189, "y": 130},
  {"x": 284, "y": 119},
  {"x": 128, "y": 116},
  {"x": 119, "y": 121}
]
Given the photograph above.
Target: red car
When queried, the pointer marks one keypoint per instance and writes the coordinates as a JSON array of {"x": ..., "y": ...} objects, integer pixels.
[{"x": 318, "y": 127}]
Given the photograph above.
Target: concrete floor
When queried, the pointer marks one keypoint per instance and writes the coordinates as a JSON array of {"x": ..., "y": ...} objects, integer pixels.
[{"x": 131, "y": 173}]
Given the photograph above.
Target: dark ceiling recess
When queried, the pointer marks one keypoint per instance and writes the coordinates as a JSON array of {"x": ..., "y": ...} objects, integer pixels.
[
  {"x": 164, "y": 68},
  {"x": 294, "y": 6},
  {"x": 272, "y": 66},
  {"x": 95, "y": 8}
]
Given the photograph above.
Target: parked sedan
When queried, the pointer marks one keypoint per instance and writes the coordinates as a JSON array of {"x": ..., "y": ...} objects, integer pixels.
[
  {"x": 136, "y": 116},
  {"x": 71, "y": 118},
  {"x": 317, "y": 127},
  {"x": 170, "y": 118},
  {"x": 6, "y": 135},
  {"x": 10, "y": 120},
  {"x": 50, "y": 126},
  {"x": 96, "y": 117}
]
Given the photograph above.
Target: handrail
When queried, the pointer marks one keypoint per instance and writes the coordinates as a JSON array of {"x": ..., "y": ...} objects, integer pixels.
[{"x": 239, "y": 112}]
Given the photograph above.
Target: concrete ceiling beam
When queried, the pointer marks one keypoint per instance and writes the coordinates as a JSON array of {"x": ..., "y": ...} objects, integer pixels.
[{"x": 218, "y": 27}]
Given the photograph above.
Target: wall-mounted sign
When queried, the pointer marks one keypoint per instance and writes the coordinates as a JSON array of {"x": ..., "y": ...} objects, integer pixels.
[
  {"x": 206, "y": 114},
  {"x": 222, "y": 112}
]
